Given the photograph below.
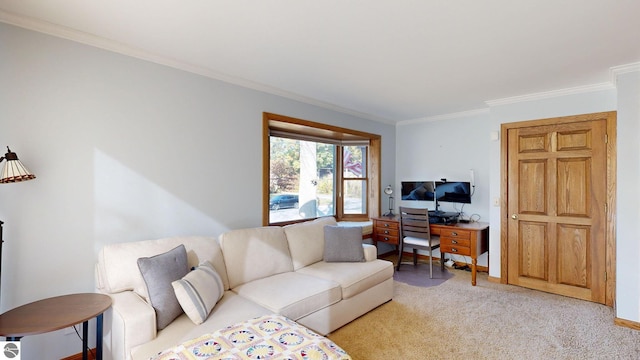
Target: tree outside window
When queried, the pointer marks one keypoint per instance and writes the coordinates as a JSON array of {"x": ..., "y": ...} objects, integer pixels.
[{"x": 313, "y": 170}]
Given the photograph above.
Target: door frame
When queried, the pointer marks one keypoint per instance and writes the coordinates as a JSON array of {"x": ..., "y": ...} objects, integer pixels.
[{"x": 611, "y": 179}]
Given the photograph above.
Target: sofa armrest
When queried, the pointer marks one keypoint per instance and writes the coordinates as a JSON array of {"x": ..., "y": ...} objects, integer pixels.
[
  {"x": 370, "y": 252},
  {"x": 133, "y": 323}
]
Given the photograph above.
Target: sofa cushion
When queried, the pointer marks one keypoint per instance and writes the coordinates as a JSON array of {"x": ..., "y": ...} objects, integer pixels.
[
  {"x": 306, "y": 241},
  {"x": 159, "y": 272},
  {"x": 255, "y": 253},
  {"x": 230, "y": 309},
  {"x": 199, "y": 291},
  {"x": 343, "y": 244},
  {"x": 354, "y": 278},
  {"x": 291, "y": 294}
]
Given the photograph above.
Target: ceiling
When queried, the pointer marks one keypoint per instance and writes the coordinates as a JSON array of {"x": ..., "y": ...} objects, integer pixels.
[{"x": 386, "y": 60}]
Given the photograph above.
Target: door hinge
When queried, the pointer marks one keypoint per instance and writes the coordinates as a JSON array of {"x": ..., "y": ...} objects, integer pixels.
[
  {"x": 605, "y": 276},
  {"x": 606, "y": 138}
]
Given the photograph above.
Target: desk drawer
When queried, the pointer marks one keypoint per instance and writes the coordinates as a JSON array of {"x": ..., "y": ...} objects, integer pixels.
[
  {"x": 453, "y": 249},
  {"x": 457, "y": 242},
  {"x": 455, "y": 233},
  {"x": 386, "y": 232},
  {"x": 393, "y": 240},
  {"x": 387, "y": 235},
  {"x": 387, "y": 224}
]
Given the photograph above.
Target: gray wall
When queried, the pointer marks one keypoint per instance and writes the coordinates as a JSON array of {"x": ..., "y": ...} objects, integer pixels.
[{"x": 123, "y": 150}]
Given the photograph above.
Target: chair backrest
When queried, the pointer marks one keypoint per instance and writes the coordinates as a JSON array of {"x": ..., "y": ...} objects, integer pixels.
[{"x": 414, "y": 222}]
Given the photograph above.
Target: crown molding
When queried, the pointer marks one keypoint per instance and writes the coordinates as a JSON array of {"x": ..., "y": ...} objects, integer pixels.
[
  {"x": 451, "y": 116},
  {"x": 614, "y": 72},
  {"x": 623, "y": 69},
  {"x": 123, "y": 49},
  {"x": 551, "y": 94}
]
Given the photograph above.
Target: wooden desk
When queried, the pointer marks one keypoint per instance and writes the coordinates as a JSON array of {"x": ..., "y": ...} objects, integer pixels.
[
  {"x": 469, "y": 239},
  {"x": 57, "y": 313}
]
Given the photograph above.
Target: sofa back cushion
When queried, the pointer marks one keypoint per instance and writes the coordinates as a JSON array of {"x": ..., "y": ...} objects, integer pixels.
[
  {"x": 255, "y": 253},
  {"x": 117, "y": 268},
  {"x": 306, "y": 241}
]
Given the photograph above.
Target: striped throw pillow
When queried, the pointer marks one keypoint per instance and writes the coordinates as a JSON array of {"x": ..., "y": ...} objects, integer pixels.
[{"x": 199, "y": 291}]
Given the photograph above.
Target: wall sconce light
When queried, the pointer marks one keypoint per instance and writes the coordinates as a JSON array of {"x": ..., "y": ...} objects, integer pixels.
[{"x": 13, "y": 170}]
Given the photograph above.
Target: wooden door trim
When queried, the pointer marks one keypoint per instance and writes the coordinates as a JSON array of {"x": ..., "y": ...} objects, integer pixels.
[{"x": 610, "y": 221}]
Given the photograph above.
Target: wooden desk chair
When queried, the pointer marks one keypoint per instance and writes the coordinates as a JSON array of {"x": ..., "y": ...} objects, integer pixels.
[{"x": 415, "y": 233}]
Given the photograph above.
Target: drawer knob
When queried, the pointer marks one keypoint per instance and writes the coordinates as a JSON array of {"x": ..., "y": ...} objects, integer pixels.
[
  {"x": 454, "y": 250},
  {"x": 386, "y": 239},
  {"x": 454, "y": 233},
  {"x": 386, "y": 231},
  {"x": 454, "y": 242},
  {"x": 386, "y": 225}
]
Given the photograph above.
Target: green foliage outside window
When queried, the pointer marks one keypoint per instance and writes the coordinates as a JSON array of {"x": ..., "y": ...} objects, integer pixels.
[{"x": 285, "y": 166}]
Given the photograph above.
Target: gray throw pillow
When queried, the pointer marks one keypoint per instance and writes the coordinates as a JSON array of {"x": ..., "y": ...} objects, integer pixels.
[
  {"x": 343, "y": 244},
  {"x": 158, "y": 273}
]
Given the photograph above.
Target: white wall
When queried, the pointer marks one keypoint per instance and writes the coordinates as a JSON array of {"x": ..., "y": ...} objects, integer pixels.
[
  {"x": 449, "y": 148},
  {"x": 628, "y": 198},
  {"x": 433, "y": 150},
  {"x": 123, "y": 150}
]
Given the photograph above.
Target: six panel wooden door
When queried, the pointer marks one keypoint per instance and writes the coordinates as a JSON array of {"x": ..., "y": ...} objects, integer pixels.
[{"x": 556, "y": 208}]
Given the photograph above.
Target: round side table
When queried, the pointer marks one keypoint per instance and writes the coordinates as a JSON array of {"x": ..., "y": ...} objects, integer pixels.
[{"x": 57, "y": 313}]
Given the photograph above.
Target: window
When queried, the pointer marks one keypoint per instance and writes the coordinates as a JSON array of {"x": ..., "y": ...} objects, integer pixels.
[
  {"x": 312, "y": 170},
  {"x": 354, "y": 179}
]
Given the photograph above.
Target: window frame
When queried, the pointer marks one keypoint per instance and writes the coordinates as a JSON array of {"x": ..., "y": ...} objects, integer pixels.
[
  {"x": 306, "y": 128},
  {"x": 344, "y": 180}
]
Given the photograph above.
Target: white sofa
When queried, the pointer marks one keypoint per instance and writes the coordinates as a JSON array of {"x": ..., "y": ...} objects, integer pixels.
[{"x": 264, "y": 270}]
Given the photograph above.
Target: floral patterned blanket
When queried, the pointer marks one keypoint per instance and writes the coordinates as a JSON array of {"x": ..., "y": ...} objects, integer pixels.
[{"x": 265, "y": 337}]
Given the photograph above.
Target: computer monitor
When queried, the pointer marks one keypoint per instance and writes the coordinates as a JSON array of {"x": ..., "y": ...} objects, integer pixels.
[
  {"x": 418, "y": 190},
  {"x": 453, "y": 191}
]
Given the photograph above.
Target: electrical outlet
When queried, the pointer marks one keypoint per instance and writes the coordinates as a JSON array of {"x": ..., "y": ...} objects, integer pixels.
[{"x": 496, "y": 201}]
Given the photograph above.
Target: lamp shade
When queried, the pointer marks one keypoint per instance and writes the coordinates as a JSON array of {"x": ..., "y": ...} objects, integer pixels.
[{"x": 13, "y": 170}]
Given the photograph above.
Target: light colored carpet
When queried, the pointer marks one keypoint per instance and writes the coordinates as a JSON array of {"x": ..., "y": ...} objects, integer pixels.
[{"x": 455, "y": 320}]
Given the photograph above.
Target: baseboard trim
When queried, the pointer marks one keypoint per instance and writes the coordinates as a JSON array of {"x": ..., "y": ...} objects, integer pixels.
[
  {"x": 627, "y": 323},
  {"x": 78, "y": 356},
  {"x": 494, "y": 279},
  {"x": 387, "y": 254}
]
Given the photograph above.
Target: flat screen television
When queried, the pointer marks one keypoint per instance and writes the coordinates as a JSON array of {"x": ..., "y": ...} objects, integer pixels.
[
  {"x": 418, "y": 190},
  {"x": 453, "y": 191}
]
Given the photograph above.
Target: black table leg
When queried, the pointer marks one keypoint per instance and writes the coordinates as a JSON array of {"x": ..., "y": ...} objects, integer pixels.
[
  {"x": 99, "y": 337},
  {"x": 85, "y": 340}
]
